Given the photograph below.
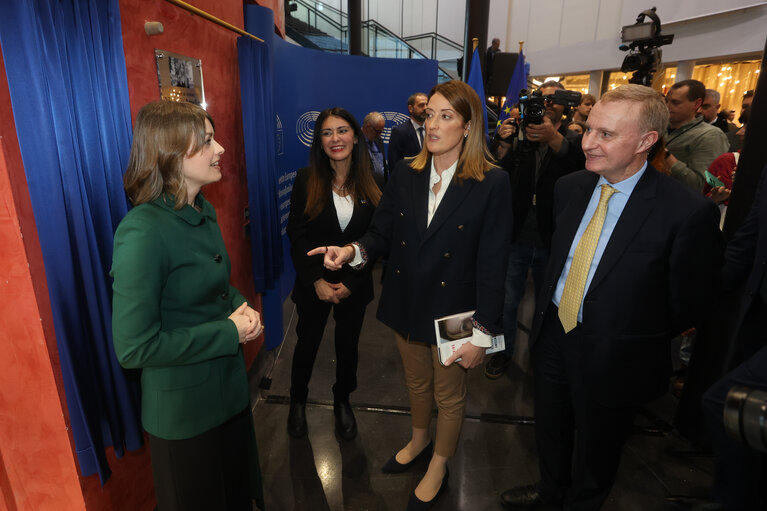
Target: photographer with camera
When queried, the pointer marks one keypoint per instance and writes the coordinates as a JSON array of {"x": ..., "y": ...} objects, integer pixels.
[{"x": 540, "y": 154}]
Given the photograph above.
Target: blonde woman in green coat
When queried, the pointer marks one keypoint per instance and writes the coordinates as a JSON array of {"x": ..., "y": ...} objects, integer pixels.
[{"x": 178, "y": 320}]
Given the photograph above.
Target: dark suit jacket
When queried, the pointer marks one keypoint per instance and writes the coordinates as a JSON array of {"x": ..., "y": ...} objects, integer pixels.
[
  {"x": 455, "y": 265},
  {"x": 403, "y": 143},
  {"x": 324, "y": 230},
  {"x": 746, "y": 256},
  {"x": 380, "y": 144},
  {"x": 652, "y": 282}
]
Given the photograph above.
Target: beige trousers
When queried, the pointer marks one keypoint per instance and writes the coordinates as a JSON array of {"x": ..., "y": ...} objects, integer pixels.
[{"x": 428, "y": 381}]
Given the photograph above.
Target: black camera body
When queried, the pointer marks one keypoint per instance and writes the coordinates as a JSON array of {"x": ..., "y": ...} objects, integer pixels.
[{"x": 532, "y": 106}]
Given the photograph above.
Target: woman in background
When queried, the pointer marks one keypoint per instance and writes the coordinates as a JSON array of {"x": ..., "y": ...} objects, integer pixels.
[
  {"x": 445, "y": 222},
  {"x": 332, "y": 202},
  {"x": 177, "y": 318}
]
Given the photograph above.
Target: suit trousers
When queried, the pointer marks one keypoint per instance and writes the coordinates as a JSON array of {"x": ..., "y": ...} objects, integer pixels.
[
  {"x": 312, "y": 318},
  {"x": 428, "y": 381},
  {"x": 576, "y": 470}
]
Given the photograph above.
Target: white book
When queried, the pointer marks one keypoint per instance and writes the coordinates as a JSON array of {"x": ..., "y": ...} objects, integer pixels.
[{"x": 455, "y": 330}]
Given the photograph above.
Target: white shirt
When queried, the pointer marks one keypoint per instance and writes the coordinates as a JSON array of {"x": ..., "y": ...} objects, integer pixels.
[
  {"x": 434, "y": 178},
  {"x": 416, "y": 127},
  {"x": 344, "y": 209}
]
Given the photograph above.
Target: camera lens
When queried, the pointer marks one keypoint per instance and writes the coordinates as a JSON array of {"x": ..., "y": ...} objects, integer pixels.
[{"x": 745, "y": 417}]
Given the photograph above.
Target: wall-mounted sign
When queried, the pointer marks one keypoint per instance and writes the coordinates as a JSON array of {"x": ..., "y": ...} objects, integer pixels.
[{"x": 180, "y": 77}]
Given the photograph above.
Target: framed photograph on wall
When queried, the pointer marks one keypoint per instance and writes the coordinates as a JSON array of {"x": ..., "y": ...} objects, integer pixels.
[{"x": 179, "y": 77}]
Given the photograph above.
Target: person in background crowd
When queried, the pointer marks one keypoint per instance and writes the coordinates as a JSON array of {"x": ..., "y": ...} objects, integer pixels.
[
  {"x": 407, "y": 138},
  {"x": 176, "y": 317},
  {"x": 495, "y": 47},
  {"x": 709, "y": 109},
  {"x": 332, "y": 203},
  {"x": 736, "y": 143},
  {"x": 691, "y": 143},
  {"x": 445, "y": 220},
  {"x": 534, "y": 165},
  {"x": 582, "y": 111},
  {"x": 624, "y": 276},
  {"x": 577, "y": 127},
  {"x": 372, "y": 128},
  {"x": 723, "y": 168}
]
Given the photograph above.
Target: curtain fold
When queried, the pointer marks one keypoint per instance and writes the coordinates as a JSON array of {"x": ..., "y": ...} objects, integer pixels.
[
  {"x": 69, "y": 91},
  {"x": 259, "y": 133}
]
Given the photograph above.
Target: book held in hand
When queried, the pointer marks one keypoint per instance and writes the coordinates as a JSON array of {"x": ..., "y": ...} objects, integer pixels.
[{"x": 455, "y": 330}]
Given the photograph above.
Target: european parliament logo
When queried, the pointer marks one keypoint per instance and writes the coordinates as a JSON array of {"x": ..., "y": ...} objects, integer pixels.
[
  {"x": 392, "y": 119},
  {"x": 305, "y": 127}
]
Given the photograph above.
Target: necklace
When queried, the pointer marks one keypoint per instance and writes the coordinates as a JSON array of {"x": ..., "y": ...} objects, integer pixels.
[{"x": 338, "y": 188}]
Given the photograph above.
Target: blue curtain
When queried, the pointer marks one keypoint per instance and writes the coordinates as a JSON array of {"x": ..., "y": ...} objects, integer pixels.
[
  {"x": 260, "y": 135},
  {"x": 66, "y": 72},
  {"x": 258, "y": 126}
]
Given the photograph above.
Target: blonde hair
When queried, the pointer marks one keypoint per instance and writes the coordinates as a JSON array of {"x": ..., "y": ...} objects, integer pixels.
[
  {"x": 653, "y": 112},
  {"x": 475, "y": 159},
  {"x": 165, "y": 133}
]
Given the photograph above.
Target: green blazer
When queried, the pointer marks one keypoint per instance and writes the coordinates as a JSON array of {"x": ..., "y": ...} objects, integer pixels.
[{"x": 172, "y": 300}]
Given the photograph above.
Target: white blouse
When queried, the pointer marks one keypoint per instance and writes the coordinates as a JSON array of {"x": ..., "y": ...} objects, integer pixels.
[{"x": 344, "y": 209}]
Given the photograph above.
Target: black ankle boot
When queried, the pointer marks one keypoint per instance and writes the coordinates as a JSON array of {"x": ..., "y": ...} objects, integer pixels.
[
  {"x": 297, "y": 419},
  {"x": 346, "y": 425}
]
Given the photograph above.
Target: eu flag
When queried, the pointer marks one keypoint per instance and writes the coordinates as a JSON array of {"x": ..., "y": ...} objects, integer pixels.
[
  {"x": 475, "y": 82},
  {"x": 517, "y": 83}
]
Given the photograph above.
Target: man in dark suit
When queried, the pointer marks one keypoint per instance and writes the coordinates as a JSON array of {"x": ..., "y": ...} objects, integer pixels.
[
  {"x": 629, "y": 256},
  {"x": 372, "y": 128},
  {"x": 407, "y": 138},
  {"x": 740, "y": 471}
]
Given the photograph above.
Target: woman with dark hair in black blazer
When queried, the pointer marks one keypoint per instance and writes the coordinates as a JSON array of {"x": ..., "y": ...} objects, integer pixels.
[
  {"x": 445, "y": 222},
  {"x": 332, "y": 203}
]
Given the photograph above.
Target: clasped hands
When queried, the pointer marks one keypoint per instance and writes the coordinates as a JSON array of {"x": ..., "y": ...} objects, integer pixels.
[
  {"x": 248, "y": 323},
  {"x": 335, "y": 258}
]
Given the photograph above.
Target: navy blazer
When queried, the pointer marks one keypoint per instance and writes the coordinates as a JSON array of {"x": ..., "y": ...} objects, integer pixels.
[
  {"x": 652, "y": 282},
  {"x": 403, "y": 143},
  {"x": 324, "y": 230},
  {"x": 456, "y": 264}
]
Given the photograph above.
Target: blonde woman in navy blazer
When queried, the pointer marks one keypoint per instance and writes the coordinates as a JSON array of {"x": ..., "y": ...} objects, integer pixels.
[
  {"x": 444, "y": 221},
  {"x": 332, "y": 203}
]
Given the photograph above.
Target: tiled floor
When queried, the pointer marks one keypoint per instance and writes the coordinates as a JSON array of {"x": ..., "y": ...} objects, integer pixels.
[{"x": 497, "y": 450}]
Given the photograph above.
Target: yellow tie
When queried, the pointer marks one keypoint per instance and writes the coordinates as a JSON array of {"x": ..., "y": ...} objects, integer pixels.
[{"x": 579, "y": 269}]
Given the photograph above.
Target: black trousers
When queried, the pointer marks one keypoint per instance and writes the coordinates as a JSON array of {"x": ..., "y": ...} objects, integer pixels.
[
  {"x": 312, "y": 318},
  {"x": 217, "y": 469},
  {"x": 741, "y": 472},
  {"x": 579, "y": 440}
]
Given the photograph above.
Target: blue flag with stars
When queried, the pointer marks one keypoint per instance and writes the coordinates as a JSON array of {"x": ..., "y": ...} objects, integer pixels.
[
  {"x": 475, "y": 82},
  {"x": 517, "y": 83}
]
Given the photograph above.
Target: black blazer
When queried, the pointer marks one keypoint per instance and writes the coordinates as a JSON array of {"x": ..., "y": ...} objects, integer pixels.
[
  {"x": 324, "y": 230},
  {"x": 403, "y": 143},
  {"x": 746, "y": 256},
  {"x": 651, "y": 284},
  {"x": 455, "y": 265}
]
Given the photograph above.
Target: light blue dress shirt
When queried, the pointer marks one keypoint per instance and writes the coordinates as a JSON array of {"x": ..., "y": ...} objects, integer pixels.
[{"x": 614, "y": 209}]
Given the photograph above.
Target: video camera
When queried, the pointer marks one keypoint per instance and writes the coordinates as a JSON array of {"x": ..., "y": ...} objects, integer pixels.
[
  {"x": 644, "y": 40},
  {"x": 532, "y": 106},
  {"x": 745, "y": 417}
]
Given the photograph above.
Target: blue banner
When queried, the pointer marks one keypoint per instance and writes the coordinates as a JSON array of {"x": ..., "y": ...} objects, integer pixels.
[{"x": 305, "y": 82}]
